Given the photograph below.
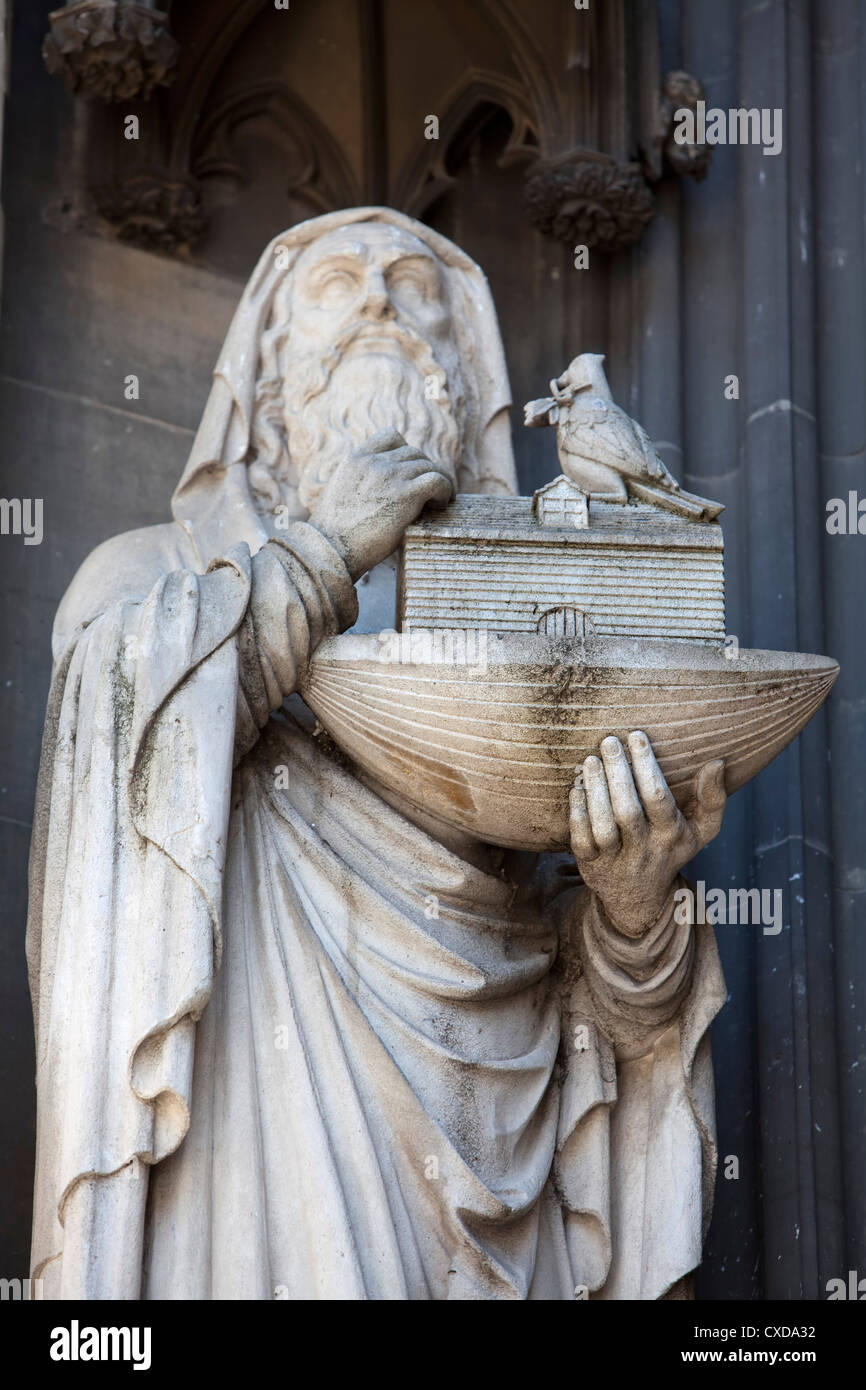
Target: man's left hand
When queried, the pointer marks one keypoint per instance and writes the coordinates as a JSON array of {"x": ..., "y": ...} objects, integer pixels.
[{"x": 628, "y": 835}]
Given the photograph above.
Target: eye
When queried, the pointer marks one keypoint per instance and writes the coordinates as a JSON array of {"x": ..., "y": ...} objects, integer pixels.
[
  {"x": 411, "y": 285},
  {"x": 333, "y": 288}
]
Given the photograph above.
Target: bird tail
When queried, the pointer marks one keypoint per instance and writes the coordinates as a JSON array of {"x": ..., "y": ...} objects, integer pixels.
[{"x": 683, "y": 503}]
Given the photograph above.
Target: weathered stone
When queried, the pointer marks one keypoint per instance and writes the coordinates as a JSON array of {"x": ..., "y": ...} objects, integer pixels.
[
  {"x": 111, "y": 49},
  {"x": 681, "y": 92},
  {"x": 153, "y": 212},
  {"x": 587, "y": 198},
  {"x": 280, "y": 988}
]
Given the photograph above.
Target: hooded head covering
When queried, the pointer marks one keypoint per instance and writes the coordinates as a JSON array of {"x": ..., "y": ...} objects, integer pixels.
[{"x": 213, "y": 499}]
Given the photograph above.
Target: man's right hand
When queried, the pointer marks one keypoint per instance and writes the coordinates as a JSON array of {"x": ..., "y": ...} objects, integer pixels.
[{"x": 373, "y": 495}]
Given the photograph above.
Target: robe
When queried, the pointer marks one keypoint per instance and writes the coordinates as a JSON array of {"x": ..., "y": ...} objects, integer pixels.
[{"x": 289, "y": 1045}]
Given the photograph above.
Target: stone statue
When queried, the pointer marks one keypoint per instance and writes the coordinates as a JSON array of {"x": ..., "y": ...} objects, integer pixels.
[
  {"x": 602, "y": 448},
  {"x": 296, "y": 1037}
]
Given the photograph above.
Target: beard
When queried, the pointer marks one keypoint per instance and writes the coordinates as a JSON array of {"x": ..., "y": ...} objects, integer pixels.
[{"x": 374, "y": 378}]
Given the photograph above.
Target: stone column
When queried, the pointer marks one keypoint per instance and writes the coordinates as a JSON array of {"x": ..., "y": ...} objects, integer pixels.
[
  {"x": 4, "y": 83},
  {"x": 839, "y": 75},
  {"x": 770, "y": 287}
]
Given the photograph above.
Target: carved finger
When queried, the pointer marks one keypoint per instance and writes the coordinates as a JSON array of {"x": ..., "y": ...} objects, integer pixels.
[
  {"x": 583, "y": 845},
  {"x": 407, "y": 453},
  {"x": 601, "y": 817},
  {"x": 381, "y": 442},
  {"x": 706, "y": 821},
  {"x": 624, "y": 799},
  {"x": 656, "y": 795},
  {"x": 413, "y": 466},
  {"x": 431, "y": 486}
]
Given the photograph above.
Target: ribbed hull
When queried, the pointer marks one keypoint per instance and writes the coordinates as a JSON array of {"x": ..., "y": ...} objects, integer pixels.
[{"x": 491, "y": 747}]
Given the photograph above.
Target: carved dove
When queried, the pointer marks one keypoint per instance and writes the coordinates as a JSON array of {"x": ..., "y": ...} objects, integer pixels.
[{"x": 602, "y": 449}]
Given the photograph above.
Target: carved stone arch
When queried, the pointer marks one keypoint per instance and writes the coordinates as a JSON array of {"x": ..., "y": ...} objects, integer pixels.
[
  {"x": 580, "y": 90},
  {"x": 426, "y": 174},
  {"x": 217, "y": 30},
  {"x": 319, "y": 174},
  {"x": 537, "y": 82},
  {"x": 263, "y": 160}
]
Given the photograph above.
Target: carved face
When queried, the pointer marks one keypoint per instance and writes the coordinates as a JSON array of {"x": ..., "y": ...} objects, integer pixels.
[
  {"x": 369, "y": 347},
  {"x": 372, "y": 275}
]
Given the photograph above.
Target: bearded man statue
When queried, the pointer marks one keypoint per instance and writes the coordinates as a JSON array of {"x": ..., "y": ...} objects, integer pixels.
[{"x": 264, "y": 1068}]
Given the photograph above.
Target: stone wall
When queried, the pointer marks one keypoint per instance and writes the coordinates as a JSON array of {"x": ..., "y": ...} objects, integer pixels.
[{"x": 79, "y": 315}]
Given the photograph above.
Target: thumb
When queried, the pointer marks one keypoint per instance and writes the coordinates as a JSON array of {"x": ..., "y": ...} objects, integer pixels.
[
  {"x": 706, "y": 819},
  {"x": 433, "y": 486}
]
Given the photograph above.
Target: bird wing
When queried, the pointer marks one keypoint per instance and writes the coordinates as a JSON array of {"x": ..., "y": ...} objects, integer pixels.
[
  {"x": 655, "y": 465},
  {"x": 607, "y": 438}
]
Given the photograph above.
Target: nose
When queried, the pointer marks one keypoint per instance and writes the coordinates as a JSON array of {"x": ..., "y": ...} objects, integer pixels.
[{"x": 377, "y": 300}]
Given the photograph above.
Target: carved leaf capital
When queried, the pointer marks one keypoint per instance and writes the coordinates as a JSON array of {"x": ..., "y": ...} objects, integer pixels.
[
  {"x": 152, "y": 211},
  {"x": 589, "y": 199},
  {"x": 114, "y": 50}
]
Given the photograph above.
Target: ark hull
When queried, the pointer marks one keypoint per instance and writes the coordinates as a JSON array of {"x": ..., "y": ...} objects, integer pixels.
[{"x": 490, "y": 745}]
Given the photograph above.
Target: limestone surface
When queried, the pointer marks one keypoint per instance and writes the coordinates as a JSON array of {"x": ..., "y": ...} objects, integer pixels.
[{"x": 303, "y": 1029}]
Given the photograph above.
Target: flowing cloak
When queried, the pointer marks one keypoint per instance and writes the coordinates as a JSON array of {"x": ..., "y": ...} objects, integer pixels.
[{"x": 288, "y": 1044}]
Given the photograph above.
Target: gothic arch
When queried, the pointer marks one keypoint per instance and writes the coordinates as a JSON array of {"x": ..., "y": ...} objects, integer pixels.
[
  {"x": 426, "y": 176},
  {"x": 317, "y": 172}
]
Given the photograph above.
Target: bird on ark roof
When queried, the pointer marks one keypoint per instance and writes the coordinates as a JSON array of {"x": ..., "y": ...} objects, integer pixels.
[{"x": 602, "y": 450}]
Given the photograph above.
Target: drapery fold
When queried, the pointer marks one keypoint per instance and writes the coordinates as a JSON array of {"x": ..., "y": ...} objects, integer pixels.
[
  {"x": 125, "y": 924},
  {"x": 424, "y": 1126},
  {"x": 289, "y": 1045}
]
